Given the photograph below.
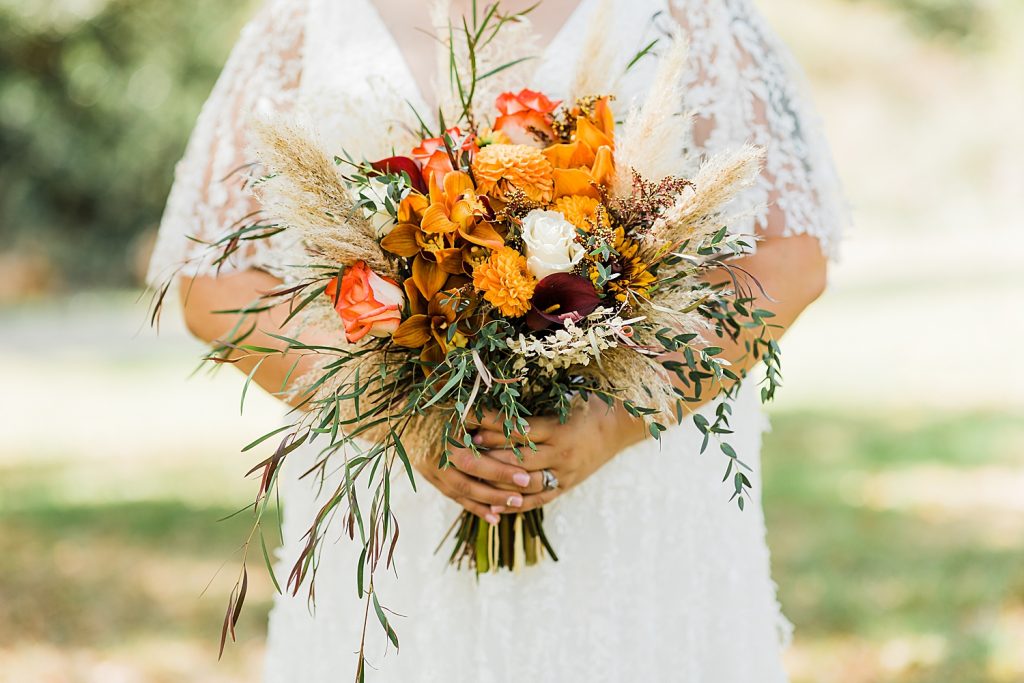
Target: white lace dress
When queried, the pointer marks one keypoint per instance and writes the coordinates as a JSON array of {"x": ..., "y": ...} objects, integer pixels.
[{"x": 660, "y": 578}]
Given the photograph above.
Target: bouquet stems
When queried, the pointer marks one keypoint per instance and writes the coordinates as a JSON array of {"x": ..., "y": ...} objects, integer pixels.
[{"x": 517, "y": 540}]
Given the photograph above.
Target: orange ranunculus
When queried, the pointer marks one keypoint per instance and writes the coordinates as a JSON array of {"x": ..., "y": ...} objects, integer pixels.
[
  {"x": 433, "y": 155},
  {"x": 525, "y": 100},
  {"x": 525, "y": 117},
  {"x": 367, "y": 303}
]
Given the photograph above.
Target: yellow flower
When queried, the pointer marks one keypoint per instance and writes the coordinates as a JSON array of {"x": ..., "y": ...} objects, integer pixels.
[
  {"x": 492, "y": 137},
  {"x": 506, "y": 282},
  {"x": 499, "y": 168},
  {"x": 581, "y": 211},
  {"x": 633, "y": 273}
]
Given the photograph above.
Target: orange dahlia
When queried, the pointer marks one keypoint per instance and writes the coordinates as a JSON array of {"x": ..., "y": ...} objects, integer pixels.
[
  {"x": 506, "y": 282},
  {"x": 583, "y": 212},
  {"x": 499, "y": 168}
]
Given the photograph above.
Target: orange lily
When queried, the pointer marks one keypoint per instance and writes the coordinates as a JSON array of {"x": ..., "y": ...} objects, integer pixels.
[
  {"x": 427, "y": 328},
  {"x": 432, "y": 232},
  {"x": 586, "y": 163}
]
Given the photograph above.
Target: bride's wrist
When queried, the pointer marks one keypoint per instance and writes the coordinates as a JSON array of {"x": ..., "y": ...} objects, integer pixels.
[{"x": 628, "y": 430}]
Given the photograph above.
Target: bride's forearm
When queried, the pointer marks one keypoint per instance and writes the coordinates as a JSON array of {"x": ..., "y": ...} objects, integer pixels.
[{"x": 203, "y": 296}]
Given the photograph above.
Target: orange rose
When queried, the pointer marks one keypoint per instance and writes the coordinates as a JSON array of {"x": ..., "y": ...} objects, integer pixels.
[
  {"x": 434, "y": 157},
  {"x": 367, "y": 303},
  {"x": 524, "y": 116}
]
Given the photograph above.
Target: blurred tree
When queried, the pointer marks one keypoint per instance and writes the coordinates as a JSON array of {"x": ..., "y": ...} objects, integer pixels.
[
  {"x": 957, "y": 19},
  {"x": 97, "y": 98}
]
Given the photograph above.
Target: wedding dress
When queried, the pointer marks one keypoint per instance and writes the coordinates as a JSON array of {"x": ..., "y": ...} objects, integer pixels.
[{"x": 661, "y": 578}]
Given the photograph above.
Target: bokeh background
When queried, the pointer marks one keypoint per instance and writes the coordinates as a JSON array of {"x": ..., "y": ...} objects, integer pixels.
[{"x": 894, "y": 472}]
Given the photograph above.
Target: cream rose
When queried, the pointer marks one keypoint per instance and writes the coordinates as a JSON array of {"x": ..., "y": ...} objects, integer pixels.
[{"x": 551, "y": 245}]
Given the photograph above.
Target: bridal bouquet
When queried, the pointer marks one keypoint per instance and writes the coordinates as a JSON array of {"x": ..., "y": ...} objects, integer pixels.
[{"x": 525, "y": 259}]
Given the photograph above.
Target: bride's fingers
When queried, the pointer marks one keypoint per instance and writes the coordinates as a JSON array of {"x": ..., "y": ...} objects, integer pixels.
[
  {"x": 489, "y": 469},
  {"x": 536, "y": 500},
  {"x": 491, "y": 430},
  {"x": 544, "y": 458},
  {"x": 484, "y": 512},
  {"x": 460, "y": 486}
]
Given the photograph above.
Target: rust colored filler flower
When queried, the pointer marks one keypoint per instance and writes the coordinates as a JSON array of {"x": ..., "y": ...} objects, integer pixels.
[
  {"x": 498, "y": 168},
  {"x": 506, "y": 282}
]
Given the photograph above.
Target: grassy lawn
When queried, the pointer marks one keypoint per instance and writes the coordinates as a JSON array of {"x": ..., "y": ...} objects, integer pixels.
[
  {"x": 898, "y": 545},
  {"x": 897, "y": 542}
]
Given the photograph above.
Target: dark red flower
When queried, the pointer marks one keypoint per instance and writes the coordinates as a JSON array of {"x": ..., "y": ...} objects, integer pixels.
[
  {"x": 399, "y": 165},
  {"x": 561, "y": 296}
]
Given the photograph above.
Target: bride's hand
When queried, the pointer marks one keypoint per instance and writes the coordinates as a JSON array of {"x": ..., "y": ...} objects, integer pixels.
[
  {"x": 572, "y": 452},
  {"x": 473, "y": 482}
]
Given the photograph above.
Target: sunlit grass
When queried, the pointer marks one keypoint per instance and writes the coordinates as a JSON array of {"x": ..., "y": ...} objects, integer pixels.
[
  {"x": 881, "y": 587},
  {"x": 885, "y": 583}
]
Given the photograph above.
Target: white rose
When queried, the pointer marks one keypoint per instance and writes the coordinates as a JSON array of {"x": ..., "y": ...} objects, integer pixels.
[
  {"x": 551, "y": 245},
  {"x": 376, "y": 192}
]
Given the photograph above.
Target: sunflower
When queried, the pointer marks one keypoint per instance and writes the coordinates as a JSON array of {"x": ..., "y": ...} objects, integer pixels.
[
  {"x": 506, "y": 282},
  {"x": 633, "y": 276},
  {"x": 499, "y": 168}
]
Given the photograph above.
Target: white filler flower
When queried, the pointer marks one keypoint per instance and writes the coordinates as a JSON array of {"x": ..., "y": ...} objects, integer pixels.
[{"x": 551, "y": 245}]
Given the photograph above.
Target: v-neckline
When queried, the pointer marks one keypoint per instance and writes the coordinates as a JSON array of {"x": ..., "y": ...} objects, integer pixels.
[{"x": 416, "y": 88}]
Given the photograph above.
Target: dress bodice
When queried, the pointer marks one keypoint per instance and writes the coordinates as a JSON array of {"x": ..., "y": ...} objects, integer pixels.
[{"x": 336, "y": 64}]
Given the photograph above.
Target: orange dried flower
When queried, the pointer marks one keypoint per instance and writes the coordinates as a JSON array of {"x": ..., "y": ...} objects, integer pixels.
[
  {"x": 581, "y": 211},
  {"x": 498, "y": 168},
  {"x": 506, "y": 282}
]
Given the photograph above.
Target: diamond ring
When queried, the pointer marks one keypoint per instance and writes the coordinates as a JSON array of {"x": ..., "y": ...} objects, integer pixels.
[{"x": 549, "y": 480}]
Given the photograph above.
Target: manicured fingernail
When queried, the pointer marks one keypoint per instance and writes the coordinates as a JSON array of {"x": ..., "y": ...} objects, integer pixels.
[
  {"x": 492, "y": 519},
  {"x": 514, "y": 501},
  {"x": 478, "y": 439},
  {"x": 497, "y": 509},
  {"x": 521, "y": 479}
]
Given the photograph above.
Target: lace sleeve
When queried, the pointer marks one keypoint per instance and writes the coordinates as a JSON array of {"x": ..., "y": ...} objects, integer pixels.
[
  {"x": 210, "y": 196},
  {"x": 745, "y": 87}
]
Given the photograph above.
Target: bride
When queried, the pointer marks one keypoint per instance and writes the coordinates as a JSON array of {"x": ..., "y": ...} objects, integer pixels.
[{"x": 660, "y": 577}]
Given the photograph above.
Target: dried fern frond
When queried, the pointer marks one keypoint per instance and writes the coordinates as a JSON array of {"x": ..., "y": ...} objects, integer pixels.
[
  {"x": 654, "y": 135},
  {"x": 305, "y": 191}
]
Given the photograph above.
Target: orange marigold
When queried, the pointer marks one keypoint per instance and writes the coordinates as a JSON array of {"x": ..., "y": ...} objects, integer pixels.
[
  {"x": 506, "y": 282},
  {"x": 581, "y": 211},
  {"x": 498, "y": 168}
]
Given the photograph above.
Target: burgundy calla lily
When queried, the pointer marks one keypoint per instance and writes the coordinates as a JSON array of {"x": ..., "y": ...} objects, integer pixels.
[
  {"x": 561, "y": 296},
  {"x": 400, "y": 165}
]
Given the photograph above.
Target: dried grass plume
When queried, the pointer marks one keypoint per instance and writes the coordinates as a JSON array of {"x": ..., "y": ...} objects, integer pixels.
[
  {"x": 654, "y": 135},
  {"x": 305, "y": 191},
  {"x": 698, "y": 212},
  {"x": 595, "y": 73}
]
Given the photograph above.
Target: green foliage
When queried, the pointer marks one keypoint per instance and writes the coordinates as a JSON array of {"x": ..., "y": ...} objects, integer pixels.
[
  {"x": 957, "y": 19},
  {"x": 96, "y": 103}
]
